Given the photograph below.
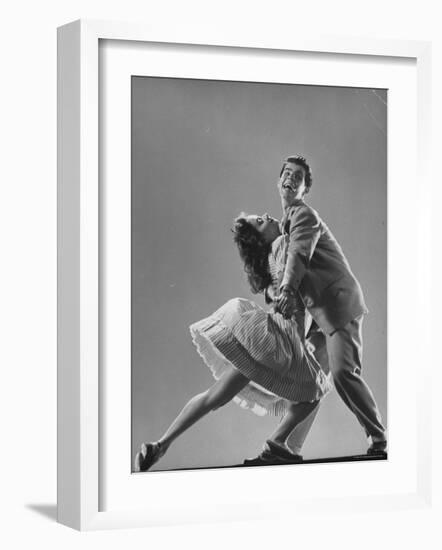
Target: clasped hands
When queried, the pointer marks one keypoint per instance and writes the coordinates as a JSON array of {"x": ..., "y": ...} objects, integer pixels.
[{"x": 285, "y": 303}]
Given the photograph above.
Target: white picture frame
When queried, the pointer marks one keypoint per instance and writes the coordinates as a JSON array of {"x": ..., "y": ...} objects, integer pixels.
[{"x": 79, "y": 294}]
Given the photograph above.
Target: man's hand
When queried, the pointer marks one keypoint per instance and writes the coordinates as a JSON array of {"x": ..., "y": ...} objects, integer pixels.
[{"x": 286, "y": 303}]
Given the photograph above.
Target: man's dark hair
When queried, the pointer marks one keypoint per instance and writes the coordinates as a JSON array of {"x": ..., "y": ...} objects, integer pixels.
[{"x": 300, "y": 161}]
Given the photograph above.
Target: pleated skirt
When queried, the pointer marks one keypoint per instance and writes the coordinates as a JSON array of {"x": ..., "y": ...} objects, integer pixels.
[{"x": 267, "y": 349}]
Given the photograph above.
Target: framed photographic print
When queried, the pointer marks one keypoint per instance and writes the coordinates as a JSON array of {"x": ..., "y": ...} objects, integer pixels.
[{"x": 231, "y": 276}]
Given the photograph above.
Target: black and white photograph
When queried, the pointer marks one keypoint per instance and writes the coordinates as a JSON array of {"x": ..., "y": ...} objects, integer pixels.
[
  {"x": 221, "y": 270},
  {"x": 259, "y": 274}
]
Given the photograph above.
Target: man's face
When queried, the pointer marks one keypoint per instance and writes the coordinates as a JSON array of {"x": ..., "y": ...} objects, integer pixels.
[{"x": 291, "y": 184}]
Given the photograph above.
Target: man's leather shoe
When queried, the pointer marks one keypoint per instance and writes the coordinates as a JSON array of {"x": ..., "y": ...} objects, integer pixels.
[
  {"x": 273, "y": 454},
  {"x": 378, "y": 448}
]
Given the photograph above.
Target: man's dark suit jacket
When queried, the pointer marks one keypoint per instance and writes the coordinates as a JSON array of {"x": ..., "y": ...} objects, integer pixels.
[{"x": 318, "y": 269}]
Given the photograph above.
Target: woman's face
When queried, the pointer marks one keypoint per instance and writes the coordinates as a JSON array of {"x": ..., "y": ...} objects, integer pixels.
[{"x": 267, "y": 226}]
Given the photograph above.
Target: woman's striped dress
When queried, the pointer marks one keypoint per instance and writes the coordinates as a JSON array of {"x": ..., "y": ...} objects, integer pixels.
[{"x": 265, "y": 347}]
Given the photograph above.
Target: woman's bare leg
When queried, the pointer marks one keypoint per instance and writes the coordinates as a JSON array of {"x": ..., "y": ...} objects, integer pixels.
[
  {"x": 295, "y": 415},
  {"x": 222, "y": 391}
]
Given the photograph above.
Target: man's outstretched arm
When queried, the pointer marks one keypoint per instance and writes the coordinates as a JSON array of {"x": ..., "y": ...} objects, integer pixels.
[{"x": 305, "y": 230}]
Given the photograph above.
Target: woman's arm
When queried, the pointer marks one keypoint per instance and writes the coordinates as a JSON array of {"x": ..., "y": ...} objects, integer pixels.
[{"x": 270, "y": 295}]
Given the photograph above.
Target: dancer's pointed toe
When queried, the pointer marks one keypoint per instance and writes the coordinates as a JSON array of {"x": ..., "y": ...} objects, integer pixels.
[{"x": 148, "y": 455}]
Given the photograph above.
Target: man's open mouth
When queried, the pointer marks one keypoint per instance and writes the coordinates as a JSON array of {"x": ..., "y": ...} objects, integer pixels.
[{"x": 287, "y": 185}]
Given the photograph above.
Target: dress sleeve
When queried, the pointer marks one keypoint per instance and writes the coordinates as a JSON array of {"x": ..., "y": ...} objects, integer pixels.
[{"x": 304, "y": 233}]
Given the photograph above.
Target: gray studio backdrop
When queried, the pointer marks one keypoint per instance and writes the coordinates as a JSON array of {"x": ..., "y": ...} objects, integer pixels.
[{"x": 201, "y": 152}]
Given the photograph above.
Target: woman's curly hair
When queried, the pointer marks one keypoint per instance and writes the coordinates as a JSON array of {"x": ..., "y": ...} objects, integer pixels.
[{"x": 254, "y": 252}]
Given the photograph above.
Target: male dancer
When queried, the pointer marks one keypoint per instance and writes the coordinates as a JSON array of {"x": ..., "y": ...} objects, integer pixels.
[{"x": 317, "y": 268}]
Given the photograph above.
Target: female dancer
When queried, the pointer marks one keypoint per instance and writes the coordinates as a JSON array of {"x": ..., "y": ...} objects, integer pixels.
[{"x": 257, "y": 357}]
